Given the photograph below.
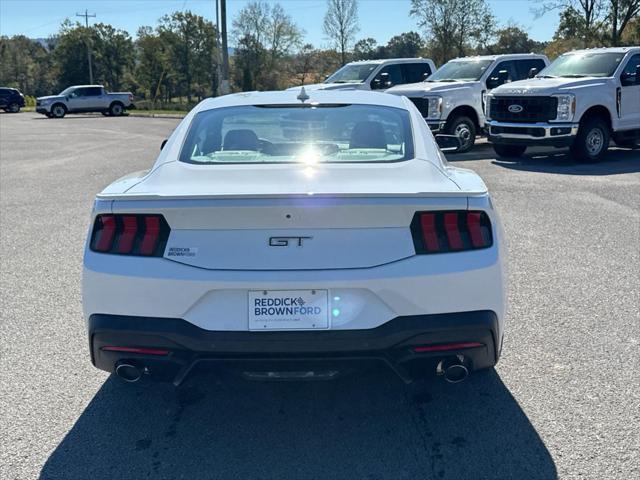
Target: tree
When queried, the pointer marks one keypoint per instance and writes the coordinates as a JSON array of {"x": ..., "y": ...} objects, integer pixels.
[
  {"x": 264, "y": 35},
  {"x": 512, "y": 39},
  {"x": 26, "y": 65},
  {"x": 456, "y": 27},
  {"x": 191, "y": 40},
  {"x": 405, "y": 45},
  {"x": 365, "y": 49},
  {"x": 113, "y": 55},
  {"x": 621, "y": 12},
  {"x": 304, "y": 62},
  {"x": 341, "y": 24}
]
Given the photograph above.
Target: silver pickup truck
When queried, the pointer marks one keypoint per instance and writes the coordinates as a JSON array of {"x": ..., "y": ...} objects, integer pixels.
[{"x": 85, "y": 98}]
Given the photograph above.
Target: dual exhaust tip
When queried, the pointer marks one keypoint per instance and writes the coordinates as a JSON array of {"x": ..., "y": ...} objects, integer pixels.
[{"x": 454, "y": 370}]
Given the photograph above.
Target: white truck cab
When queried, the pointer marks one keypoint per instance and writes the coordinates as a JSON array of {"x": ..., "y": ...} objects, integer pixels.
[
  {"x": 452, "y": 99},
  {"x": 376, "y": 74},
  {"x": 581, "y": 100}
]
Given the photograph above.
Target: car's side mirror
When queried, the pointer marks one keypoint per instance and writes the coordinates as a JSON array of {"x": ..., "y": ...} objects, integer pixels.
[
  {"x": 164, "y": 142},
  {"x": 448, "y": 143},
  {"x": 501, "y": 79},
  {"x": 628, "y": 79},
  {"x": 381, "y": 81},
  {"x": 533, "y": 72}
]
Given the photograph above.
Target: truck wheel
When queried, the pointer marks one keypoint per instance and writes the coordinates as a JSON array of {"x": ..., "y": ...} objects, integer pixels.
[
  {"x": 58, "y": 110},
  {"x": 13, "y": 108},
  {"x": 116, "y": 109},
  {"x": 592, "y": 140},
  {"x": 463, "y": 128},
  {"x": 509, "y": 150}
]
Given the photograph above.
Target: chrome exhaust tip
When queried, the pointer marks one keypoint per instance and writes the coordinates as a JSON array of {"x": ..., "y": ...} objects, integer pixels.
[
  {"x": 454, "y": 370},
  {"x": 127, "y": 372},
  {"x": 456, "y": 373}
]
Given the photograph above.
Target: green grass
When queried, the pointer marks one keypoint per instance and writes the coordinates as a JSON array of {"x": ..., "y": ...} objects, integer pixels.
[{"x": 153, "y": 113}]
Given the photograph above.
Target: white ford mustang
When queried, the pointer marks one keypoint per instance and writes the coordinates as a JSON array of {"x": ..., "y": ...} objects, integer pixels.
[{"x": 284, "y": 236}]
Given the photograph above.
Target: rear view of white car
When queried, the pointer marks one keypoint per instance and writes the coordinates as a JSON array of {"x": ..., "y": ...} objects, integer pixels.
[{"x": 290, "y": 235}]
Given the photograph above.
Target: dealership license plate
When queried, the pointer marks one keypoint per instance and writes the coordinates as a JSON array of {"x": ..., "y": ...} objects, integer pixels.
[{"x": 288, "y": 309}]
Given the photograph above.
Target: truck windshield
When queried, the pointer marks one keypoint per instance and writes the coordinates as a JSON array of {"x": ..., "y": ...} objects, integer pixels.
[
  {"x": 67, "y": 91},
  {"x": 460, "y": 71},
  {"x": 583, "y": 65},
  {"x": 352, "y": 73},
  {"x": 299, "y": 134}
]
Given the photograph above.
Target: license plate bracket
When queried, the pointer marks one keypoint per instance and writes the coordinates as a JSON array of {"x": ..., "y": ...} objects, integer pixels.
[{"x": 288, "y": 309}]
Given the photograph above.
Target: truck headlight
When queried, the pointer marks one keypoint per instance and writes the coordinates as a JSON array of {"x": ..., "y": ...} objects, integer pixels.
[
  {"x": 566, "y": 107},
  {"x": 435, "y": 108}
]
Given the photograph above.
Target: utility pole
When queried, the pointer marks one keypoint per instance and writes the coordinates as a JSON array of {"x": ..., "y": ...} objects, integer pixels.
[
  {"x": 86, "y": 16},
  {"x": 225, "y": 53}
]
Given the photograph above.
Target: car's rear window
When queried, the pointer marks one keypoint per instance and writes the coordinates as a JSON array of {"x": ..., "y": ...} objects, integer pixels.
[{"x": 304, "y": 133}]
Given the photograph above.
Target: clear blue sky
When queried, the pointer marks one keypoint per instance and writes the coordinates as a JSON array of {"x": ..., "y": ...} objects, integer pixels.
[{"x": 380, "y": 19}]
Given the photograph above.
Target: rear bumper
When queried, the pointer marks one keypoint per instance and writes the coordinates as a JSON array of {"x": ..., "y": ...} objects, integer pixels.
[
  {"x": 542, "y": 134},
  {"x": 390, "y": 345}
]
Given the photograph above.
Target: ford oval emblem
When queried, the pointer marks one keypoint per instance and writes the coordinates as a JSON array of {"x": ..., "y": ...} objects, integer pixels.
[{"x": 515, "y": 108}]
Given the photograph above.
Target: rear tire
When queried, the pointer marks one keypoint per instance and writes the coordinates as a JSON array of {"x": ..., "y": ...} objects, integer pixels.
[
  {"x": 116, "y": 109},
  {"x": 13, "y": 108},
  {"x": 465, "y": 129},
  {"x": 592, "y": 140},
  {"x": 509, "y": 151},
  {"x": 58, "y": 110}
]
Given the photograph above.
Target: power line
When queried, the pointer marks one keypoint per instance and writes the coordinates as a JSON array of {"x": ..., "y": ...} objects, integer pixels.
[{"x": 86, "y": 16}]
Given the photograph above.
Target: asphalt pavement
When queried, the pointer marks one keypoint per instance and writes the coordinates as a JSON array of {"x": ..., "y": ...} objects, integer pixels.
[{"x": 564, "y": 401}]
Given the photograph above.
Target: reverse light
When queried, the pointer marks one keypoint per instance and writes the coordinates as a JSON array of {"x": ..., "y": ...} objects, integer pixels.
[
  {"x": 130, "y": 234},
  {"x": 451, "y": 231},
  {"x": 566, "y": 107}
]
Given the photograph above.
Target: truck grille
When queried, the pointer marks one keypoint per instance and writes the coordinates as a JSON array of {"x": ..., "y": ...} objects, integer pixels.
[
  {"x": 422, "y": 105},
  {"x": 533, "y": 109}
]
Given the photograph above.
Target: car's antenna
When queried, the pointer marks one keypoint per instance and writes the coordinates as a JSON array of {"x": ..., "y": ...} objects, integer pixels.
[{"x": 303, "y": 95}]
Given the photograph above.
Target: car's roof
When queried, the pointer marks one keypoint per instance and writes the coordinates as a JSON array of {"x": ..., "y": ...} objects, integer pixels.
[
  {"x": 391, "y": 60},
  {"x": 86, "y": 86},
  {"x": 507, "y": 56},
  {"x": 290, "y": 97},
  {"x": 603, "y": 50}
]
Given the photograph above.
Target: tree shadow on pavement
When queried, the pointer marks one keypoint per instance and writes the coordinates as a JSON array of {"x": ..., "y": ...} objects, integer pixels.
[
  {"x": 615, "y": 162},
  {"x": 365, "y": 427}
]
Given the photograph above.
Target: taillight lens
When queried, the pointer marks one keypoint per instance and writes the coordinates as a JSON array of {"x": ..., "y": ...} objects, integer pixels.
[
  {"x": 130, "y": 234},
  {"x": 451, "y": 231}
]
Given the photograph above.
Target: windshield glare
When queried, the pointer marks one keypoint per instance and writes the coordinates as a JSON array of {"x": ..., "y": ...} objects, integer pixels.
[
  {"x": 464, "y": 71},
  {"x": 299, "y": 134},
  {"x": 354, "y": 73},
  {"x": 584, "y": 65}
]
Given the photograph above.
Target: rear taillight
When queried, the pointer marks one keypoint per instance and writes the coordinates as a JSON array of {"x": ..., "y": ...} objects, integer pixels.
[
  {"x": 130, "y": 234},
  {"x": 451, "y": 231}
]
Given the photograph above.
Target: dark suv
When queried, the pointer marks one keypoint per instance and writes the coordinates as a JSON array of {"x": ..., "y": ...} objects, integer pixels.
[{"x": 11, "y": 100}]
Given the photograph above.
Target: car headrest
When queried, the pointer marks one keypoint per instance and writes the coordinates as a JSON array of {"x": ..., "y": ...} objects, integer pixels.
[
  {"x": 241, "y": 139},
  {"x": 368, "y": 135}
]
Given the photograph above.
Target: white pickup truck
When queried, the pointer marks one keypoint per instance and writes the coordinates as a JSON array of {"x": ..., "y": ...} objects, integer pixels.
[
  {"x": 376, "y": 74},
  {"x": 452, "y": 99},
  {"x": 580, "y": 101},
  {"x": 85, "y": 98}
]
